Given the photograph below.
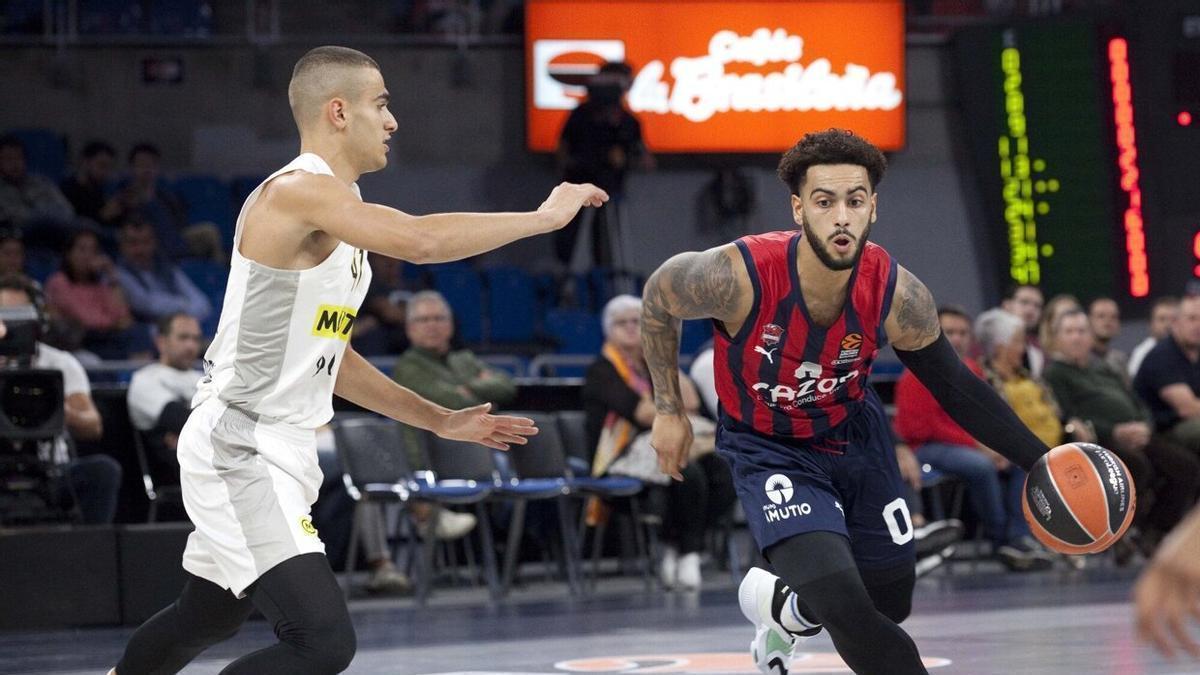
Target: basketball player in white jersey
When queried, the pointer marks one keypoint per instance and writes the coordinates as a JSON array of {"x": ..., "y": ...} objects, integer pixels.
[{"x": 247, "y": 455}]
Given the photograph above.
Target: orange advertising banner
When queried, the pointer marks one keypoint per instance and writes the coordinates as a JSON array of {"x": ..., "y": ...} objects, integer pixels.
[{"x": 732, "y": 76}]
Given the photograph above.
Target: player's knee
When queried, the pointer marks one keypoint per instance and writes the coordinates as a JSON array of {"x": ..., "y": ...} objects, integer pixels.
[
  {"x": 334, "y": 646},
  {"x": 895, "y": 607},
  {"x": 328, "y": 643}
]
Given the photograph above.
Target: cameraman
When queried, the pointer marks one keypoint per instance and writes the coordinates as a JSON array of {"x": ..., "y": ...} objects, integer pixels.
[
  {"x": 94, "y": 480},
  {"x": 600, "y": 141}
]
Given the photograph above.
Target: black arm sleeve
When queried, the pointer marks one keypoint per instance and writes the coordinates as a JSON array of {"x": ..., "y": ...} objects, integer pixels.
[{"x": 972, "y": 403}]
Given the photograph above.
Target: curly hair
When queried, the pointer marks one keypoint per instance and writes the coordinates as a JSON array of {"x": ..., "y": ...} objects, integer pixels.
[{"x": 832, "y": 146}]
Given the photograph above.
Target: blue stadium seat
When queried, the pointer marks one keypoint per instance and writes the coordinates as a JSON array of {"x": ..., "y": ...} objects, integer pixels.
[
  {"x": 463, "y": 289},
  {"x": 693, "y": 334},
  {"x": 242, "y": 187},
  {"x": 512, "y": 305},
  {"x": 45, "y": 151},
  {"x": 111, "y": 17},
  {"x": 576, "y": 331},
  {"x": 207, "y": 198}
]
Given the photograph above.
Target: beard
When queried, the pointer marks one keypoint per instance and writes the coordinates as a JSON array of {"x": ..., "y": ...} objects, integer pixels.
[{"x": 823, "y": 253}]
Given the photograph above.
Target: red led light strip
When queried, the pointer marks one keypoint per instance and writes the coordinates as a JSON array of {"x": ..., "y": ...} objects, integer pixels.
[{"x": 1135, "y": 232}]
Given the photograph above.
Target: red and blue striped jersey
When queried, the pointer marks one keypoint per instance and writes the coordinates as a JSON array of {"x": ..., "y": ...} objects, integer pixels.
[{"x": 783, "y": 375}]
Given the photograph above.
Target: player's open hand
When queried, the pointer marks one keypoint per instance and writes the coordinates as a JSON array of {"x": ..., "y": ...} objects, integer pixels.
[
  {"x": 1167, "y": 596},
  {"x": 566, "y": 200},
  {"x": 671, "y": 438},
  {"x": 495, "y": 431}
]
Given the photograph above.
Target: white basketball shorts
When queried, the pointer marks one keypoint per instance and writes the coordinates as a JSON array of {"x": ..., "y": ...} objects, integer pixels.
[{"x": 248, "y": 487}]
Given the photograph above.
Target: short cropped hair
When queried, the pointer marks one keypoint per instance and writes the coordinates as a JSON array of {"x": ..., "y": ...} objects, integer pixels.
[
  {"x": 617, "y": 305},
  {"x": 995, "y": 327},
  {"x": 422, "y": 297},
  {"x": 832, "y": 146},
  {"x": 313, "y": 81},
  {"x": 94, "y": 148},
  {"x": 162, "y": 327},
  {"x": 954, "y": 310}
]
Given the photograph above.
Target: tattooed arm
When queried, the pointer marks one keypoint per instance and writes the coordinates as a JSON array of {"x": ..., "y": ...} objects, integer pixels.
[
  {"x": 912, "y": 322},
  {"x": 708, "y": 284},
  {"x": 914, "y": 330}
]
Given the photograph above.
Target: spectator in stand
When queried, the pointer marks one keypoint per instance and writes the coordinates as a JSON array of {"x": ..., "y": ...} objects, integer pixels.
[
  {"x": 31, "y": 202},
  {"x": 92, "y": 482},
  {"x": 1105, "y": 318},
  {"x": 86, "y": 297},
  {"x": 155, "y": 285},
  {"x": 619, "y": 407},
  {"x": 1003, "y": 339},
  {"x": 453, "y": 378},
  {"x": 1054, "y": 309},
  {"x": 88, "y": 188},
  {"x": 146, "y": 193},
  {"x": 1169, "y": 379},
  {"x": 1025, "y": 302},
  {"x": 1093, "y": 390},
  {"x": 1162, "y": 315},
  {"x": 12, "y": 252},
  {"x": 160, "y": 393},
  {"x": 379, "y": 327},
  {"x": 705, "y": 379},
  {"x": 993, "y": 485}
]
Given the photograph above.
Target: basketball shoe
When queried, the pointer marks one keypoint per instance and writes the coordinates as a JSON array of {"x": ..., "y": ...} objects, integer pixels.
[{"x": 763, "y": 597}]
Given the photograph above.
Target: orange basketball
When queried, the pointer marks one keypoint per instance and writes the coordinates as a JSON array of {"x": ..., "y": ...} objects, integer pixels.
[{"x": 1079, "y": 498}]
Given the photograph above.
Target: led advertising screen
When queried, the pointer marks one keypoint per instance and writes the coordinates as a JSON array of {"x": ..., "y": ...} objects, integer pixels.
[{"x": 723, "y": 77}]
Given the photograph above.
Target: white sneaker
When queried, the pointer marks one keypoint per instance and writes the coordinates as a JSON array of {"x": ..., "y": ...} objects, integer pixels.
[
  {"x": 668, "y": 567},
  {"x": 761, "y": 597},
  {"x": 688, "y": 572},
  {"x": 451, "y": 525}
]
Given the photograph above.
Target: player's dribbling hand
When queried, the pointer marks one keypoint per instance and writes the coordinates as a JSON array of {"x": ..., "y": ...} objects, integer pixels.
[
  {"x": 477, "y": 426},
  {"x": 1167, "y": 596},
  {"x": 566, "y": 200},
  {"x": 671, "y": 438}
]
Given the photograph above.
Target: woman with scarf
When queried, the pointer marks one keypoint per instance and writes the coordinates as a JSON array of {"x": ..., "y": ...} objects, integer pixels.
[{"x": 619, "y": 404}]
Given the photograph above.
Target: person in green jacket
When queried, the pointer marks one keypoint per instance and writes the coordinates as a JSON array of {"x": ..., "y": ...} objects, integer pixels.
[
  {"x": 453, "y": 378},
  {"x": 1167, "y": 476}
]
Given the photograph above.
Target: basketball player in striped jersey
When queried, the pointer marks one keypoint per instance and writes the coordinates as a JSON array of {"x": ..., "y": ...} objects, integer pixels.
[
  {"x": 798, "y": 318},
  {"x": 247, "y": 454}
]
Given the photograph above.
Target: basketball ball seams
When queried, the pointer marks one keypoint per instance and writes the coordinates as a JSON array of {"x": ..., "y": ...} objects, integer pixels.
[
  {"x": 1058, "y": 492},
  {"x": 1079, "y": 498}
]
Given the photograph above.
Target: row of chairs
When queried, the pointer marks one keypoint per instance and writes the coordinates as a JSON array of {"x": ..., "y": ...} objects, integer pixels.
[{"x": 374, "y": 458}]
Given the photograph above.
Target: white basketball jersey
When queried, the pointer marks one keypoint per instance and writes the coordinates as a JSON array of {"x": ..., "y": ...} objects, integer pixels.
[{"x": 282, "y": 333}]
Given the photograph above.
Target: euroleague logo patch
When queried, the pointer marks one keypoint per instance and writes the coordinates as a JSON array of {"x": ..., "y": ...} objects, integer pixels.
[
  {"x": 306, "y": 526},
  {"x": 850, "y": 346}
]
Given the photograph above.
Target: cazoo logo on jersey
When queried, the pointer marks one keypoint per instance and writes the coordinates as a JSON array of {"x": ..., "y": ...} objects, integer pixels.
[
  {"x": 810, "y": 387},
  {"x": 718, "y": 76},
  {"x": 333, "y": 321}
]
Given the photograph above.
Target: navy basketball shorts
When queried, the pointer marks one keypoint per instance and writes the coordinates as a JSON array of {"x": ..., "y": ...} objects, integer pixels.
[{"x": 845, "y": 481}]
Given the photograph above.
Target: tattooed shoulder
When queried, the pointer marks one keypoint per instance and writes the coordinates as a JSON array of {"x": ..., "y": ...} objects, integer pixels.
[
  {"x": 915, "y": 313},
  {"x": 699, "y": 285}
]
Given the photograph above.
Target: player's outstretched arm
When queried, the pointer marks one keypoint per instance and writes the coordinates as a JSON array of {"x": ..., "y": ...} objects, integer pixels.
[
  {"x": 326, "y": 204},
  {"x": 913, "y": 329},
  {"x": 708, "y": 284},
  {"x": 363, "y": 384}
]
